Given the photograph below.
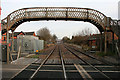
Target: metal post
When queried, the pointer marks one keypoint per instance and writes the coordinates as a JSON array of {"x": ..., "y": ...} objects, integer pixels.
[
  {"x": 119, "y": 46},
  {"x": 112, "y": 41},
  {"x": 91, "y": 43},
  {"x": 12, "y": 41},
  {"x": 46, "y": 13},
  {"x": 7, "y": 47},
  {"x": 118, "y": 24},
  {"x": 19, "y": 50},
  {"x": 101, "y": 42},
  {"x": 66, "y": 13},
  {"x": 107, "y": 24},
  {"x": 8, "y": 50},
  {"x": 105, "y": 33},
  {"x": 87, "y": 14}
]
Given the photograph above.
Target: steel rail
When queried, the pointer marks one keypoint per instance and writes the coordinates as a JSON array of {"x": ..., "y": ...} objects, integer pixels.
[
  {"x": 90, "y": 56},
  {"x": 22, "y": 69},
  {"x": 100, "y": 71},
  {"x": 62, "y": 62},
  {"x": 43, "y": 62},
  {"x": 117, "y": 49}
]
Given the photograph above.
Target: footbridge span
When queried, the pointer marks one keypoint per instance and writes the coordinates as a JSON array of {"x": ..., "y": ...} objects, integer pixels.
[{"x": 102, "y": 22}]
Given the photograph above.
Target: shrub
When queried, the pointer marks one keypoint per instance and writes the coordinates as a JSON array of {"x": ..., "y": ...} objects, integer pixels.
[{"x": 105, "y": 54}]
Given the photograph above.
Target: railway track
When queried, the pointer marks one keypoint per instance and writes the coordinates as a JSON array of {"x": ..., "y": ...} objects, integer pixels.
[
  {"x": 89, "y": 64},
  {"x": 31, "y": 70},
  {"x": 78, "y": 51},
  {"x": 104, "y": 69},
  {"x": 63, "y": 63}
]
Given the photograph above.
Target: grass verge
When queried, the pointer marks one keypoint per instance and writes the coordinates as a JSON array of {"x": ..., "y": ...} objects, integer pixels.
[
  {"x": 36, "y": 54},
  {"x": 105, "y": 54}
]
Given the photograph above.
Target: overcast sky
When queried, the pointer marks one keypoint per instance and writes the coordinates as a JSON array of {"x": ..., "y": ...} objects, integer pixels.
[{"x": 60, "y": 28}]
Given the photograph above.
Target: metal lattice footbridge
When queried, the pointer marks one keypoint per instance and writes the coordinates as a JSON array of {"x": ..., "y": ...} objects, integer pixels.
[
  {"x": 14, "y": 19},
  {"x": 102, "y": 22}
]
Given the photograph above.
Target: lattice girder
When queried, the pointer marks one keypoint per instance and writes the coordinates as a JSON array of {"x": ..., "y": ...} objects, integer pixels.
[{"x": 65, "y": 13}]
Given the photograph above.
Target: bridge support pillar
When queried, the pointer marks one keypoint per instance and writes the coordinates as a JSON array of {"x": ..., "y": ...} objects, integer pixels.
[
  {"x": 119, "y": 44},
  {"x": 119, "y": 41},
  {"x": 12, "y": 41},
  {"x": 101, "y": 42},
  {"x": 8, "y": 50},
  {"x": 113, "y": 47},
  {"x": 105, "y": 33},
  {"x": 118, "y": 24}
]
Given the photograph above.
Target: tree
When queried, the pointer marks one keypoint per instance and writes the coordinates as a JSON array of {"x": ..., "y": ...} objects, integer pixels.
[
  {"x": 65, "y": 39},
  {"x": 54, "y": 37},
  {"x": 86, "y": 32},
  {"x": 44, "y": 34},
  {"x": 81, "y": 38}
]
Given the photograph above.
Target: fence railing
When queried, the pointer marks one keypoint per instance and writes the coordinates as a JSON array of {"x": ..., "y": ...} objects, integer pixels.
[{"x": 54, "y": 12}]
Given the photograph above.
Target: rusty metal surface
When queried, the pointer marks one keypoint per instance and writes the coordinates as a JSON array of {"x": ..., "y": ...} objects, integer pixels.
[
  {"x": 53, "y": 13},
  {"x": 95, "y": 17}
]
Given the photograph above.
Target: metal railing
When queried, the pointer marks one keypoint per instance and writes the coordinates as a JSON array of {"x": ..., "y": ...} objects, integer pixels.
[{"x": 54, "y": 13}]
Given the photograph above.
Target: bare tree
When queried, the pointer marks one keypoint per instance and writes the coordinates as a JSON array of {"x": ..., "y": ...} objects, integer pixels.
[
  {"x": 82, "y": 37},
  {"x": 86, "y": 31},
  {"x": 44, "y": 34},
  {"x": 54, "y": 37}
]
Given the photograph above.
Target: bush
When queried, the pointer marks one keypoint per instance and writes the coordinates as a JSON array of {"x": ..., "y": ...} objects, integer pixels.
[
  {"x": 101, "y": 54},
  {"x": 106, "y": 54},
  {"x": 85, "y": 47},
  {"x": 33, "y": 56}
]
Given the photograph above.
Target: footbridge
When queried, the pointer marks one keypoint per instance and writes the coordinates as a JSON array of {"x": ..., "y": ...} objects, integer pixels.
[{"x": 102, "y": 22}]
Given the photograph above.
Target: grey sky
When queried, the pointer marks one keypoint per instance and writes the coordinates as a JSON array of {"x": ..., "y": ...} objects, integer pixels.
[
  {"x": 60, "y": 28},
  {"x": 119, "y": 10}
]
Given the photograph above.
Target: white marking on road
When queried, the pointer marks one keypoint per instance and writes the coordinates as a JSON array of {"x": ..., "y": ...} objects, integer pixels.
[{"x": 83, "y": 73}]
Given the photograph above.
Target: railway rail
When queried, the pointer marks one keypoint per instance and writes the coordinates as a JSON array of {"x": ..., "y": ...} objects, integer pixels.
[
  {"x": 77, "y": 50},
  {"x": 30, "y": 76},
  {"x": 64, "y": 63},
  {"x": 92, "y": 66}
]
